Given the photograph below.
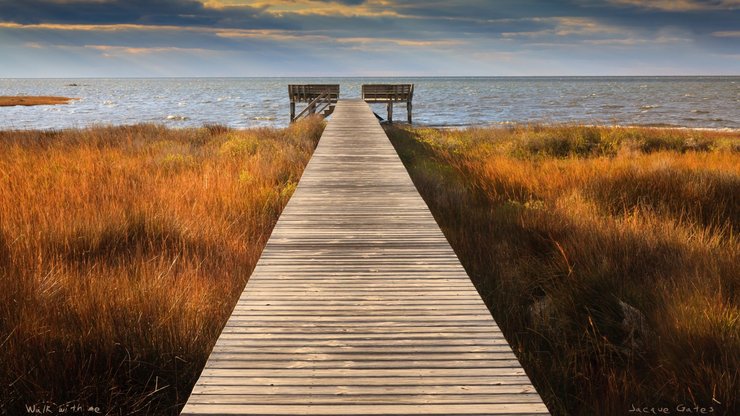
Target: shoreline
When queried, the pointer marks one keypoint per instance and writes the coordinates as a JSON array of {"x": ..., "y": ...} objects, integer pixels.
[
  {"x": 449, "y": 127},
  {"x": 505, "y": 124}
]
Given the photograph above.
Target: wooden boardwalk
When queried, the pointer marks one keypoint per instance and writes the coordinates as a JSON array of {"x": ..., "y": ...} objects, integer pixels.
[{"x": 358, "y": 305}]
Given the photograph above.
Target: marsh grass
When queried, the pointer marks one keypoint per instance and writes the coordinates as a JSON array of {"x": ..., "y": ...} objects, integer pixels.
[
  {"x": 609, "y": 256},
  {"x": 123, "y": 251}
]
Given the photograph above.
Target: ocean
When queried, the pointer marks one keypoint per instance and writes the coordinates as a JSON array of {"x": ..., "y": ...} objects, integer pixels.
[{"x": 701, "y": 102}]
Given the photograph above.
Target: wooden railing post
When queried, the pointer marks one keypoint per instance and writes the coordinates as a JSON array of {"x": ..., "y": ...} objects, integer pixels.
[{"x": 390, "y": 111}]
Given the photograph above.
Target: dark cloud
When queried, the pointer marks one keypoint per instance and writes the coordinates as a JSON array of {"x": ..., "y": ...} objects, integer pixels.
[
  {"x": 696, "y": 21},
  {"x": 489, "y": 10},
  {"x": 611, "y": 33},
  {"x": 146, "y": 12},
  {"x": 485, "y": 16},
  {"x": 422, "y": 18}
]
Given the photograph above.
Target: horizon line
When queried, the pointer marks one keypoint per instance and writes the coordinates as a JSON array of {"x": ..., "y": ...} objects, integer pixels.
[{"x": 379, "y": 76}]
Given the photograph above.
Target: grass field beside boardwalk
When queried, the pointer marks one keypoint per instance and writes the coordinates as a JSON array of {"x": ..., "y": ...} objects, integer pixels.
[
  {"x": 123, "y": 251},
  {"x": 609, "y": 256}
]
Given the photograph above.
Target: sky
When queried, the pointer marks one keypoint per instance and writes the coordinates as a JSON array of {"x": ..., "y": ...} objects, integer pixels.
[{"x": 293, "y": 38}]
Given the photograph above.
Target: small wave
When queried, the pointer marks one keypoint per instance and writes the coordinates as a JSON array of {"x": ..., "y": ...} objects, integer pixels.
[
  {"x": 263, "y": 118},
  {"x": 177, "y": 118},
  {"x": 700, "y": 111},
  {"x": 648, "y": 107}
]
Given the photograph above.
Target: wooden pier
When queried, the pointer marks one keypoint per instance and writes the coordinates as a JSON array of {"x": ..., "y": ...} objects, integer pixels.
[{"x": 358, "y": 305}]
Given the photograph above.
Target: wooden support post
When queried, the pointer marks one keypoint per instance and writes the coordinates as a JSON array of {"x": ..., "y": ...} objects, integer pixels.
[
  {"x": 408, "y": 110},
  {"x": 292, "y": 111},
  {"x": 390, "y": 111}
]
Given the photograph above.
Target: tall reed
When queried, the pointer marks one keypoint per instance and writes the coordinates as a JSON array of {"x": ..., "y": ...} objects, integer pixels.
[
  {"x": 609, "y": 256},
  {"x": 123, "y": 251}
]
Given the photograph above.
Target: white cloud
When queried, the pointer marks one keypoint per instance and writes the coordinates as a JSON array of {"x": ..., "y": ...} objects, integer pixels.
[
  {"x": 111, "y": 50},
  {"x": 570, "y": 26}
]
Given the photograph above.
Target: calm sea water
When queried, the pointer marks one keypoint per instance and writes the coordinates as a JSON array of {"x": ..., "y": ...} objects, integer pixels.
[{"x": 707, "y": 102}]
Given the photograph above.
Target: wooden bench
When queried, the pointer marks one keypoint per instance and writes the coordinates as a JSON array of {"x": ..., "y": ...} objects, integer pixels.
[
  {"x": 320, "y": 98},
  {"x": 389, "y": 94}
]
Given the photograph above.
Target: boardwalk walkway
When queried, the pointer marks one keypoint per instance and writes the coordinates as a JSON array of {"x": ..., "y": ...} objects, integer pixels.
[{"x": 358, "y": 305}]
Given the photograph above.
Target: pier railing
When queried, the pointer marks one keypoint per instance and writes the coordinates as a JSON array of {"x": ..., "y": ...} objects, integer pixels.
[
  {"x": 320, "y": 99},
  {"x": 389, "y": 94}
]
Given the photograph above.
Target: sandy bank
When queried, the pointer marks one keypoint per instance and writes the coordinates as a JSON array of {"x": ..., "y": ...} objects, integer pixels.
[{"x": 10, "y": 101}]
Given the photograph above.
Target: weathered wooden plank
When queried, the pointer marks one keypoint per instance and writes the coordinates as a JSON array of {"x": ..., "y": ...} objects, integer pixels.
[
  {"x": 290, "y": 329},
  {"x": 369, "y": 399},
  {"x": 461, "y": 365},
  {"x": 361, "y": 372},
  {"x": 358, "y": 305},
  {"x": 440, "y": 343},
  {"x": 498, "y": 380},
  {"x": 357, "y": 350},
  {"x": 367, "y": 390},
  {"x": 354, "y": 310},
  {"x": 374, "y": 409},
  {"x": 361, "y": 357},
  {"x": 369, "y": 303}
]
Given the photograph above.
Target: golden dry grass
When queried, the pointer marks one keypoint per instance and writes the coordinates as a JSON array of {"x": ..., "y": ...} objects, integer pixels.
[
  {"x": 123, "y": 251},
  {"x": 609, "y": 256},
  {"x": 28, "y": 100}
]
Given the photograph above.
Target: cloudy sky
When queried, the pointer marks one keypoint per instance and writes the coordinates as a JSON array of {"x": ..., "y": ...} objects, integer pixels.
[{"x": 135, "y": 38}]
